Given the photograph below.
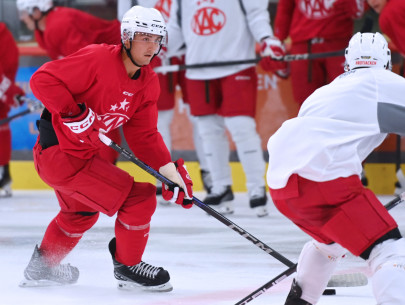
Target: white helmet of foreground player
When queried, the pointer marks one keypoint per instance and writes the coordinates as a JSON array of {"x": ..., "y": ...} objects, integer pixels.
[
  {"x": 367, "y": 50},
  {"x": 29, "y": 5},
  {"x": 143, "y": 20}
]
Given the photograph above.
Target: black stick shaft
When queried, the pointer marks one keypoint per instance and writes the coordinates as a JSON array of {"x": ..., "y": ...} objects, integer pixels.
[
  {"x": 258, "y": 292},
  {"x": 200, "y": 204},
  {"x": 14, "y": 116},
  {"x": 286, "y": 58}
]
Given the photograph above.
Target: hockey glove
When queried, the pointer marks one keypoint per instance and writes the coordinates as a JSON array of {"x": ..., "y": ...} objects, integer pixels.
[
  {"x": 272, "y": 52},
  {"x": 178, "y": 174},
  {"x": 86, "y": 126},
  {"x": 9, "y": 92}
]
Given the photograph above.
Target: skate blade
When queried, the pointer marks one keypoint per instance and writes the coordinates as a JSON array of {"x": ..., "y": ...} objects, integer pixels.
[
  {"x": 124, "y": 285},
  {"x": 38, "y": 283}
]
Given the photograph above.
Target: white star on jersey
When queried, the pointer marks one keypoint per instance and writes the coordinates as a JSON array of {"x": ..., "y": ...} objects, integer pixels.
[
  {"x": 113, "y": 107},
  {"x": 123, "y": 105}
]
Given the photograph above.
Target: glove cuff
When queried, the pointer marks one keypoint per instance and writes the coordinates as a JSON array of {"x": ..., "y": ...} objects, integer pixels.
[{"x": 81, "y": 122}]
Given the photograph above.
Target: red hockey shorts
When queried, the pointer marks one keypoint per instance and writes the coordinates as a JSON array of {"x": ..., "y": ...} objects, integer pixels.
[
  {"x": 309, "y": 75},
  {"x": 228, "y": 96},
  {"x": 340, "y": 211},
  {"x": 167, "y": 91},
  {"x": 94, "y": 183}
]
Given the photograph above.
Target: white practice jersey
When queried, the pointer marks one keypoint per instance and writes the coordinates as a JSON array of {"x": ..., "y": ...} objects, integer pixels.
[
  {"x": 163, "y": 6},
  {"x": 220, "y": 30},
  {"x": 337, "y": 127}
]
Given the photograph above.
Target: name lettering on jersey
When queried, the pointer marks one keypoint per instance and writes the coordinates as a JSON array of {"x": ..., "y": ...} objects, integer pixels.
[
  {"x": 207, "y": 20},
  {"x": 366, "y": 62},
  {"x": 316, "y": 9}
]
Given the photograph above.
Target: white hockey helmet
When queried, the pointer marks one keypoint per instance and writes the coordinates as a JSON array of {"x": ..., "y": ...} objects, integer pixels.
[
  {"x": 367, "y": 50},
  {"x": 144, "y": 20},
  {"x": 29, "y": 5}
]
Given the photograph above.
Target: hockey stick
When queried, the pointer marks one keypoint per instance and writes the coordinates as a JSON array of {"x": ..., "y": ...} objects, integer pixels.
[
  {"x": 197, "y": 202},
  {"x": 393, "y": 203},
  {"x": 288, "y": 57},
  {"x": 32, "y": 105},
  {"x": 208, "y": 209},
  {"x": 400, "y": 184}
]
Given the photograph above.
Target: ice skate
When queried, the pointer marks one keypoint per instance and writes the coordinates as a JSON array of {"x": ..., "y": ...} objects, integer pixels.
[
  {"x": 140, "y": 276},
  {"x": 5, "y": 182},
  {"x": 39, "y": 274},
  {"x": 294, "y": 296},
  {"x": 221, "y": 199},
  {"x": 258, "y": 201}
]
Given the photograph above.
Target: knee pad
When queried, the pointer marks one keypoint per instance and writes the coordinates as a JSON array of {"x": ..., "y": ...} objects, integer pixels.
[
  {"x": 387, "y": 263},
  {"x": 76, "y": 222},
  {"x": 139, "y": 206},
  {"x": 316, "y": 264},
  {"x": 332, "y": 252},
  {"x": 241, "y": 128},
  {"x": 390, "y": 250}
]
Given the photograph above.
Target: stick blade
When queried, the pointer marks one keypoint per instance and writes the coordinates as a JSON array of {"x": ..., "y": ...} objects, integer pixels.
[{"x": 348, "y": 280}]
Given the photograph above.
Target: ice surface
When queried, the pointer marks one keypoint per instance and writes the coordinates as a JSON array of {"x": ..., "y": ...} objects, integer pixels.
[{"x": 209, "y": 263}]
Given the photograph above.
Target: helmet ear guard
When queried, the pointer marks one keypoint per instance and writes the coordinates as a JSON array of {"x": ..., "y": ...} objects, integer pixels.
[{"x": 367, "y": 50}]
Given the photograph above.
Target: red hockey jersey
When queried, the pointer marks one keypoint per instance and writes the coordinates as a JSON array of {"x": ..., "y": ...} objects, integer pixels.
[
  {"x": 8, "y": 61},
  {"x": 392, "y": 23},
  {"x": 96, "y": 75},
  {"x": 68, "y": 30},
  {"x": 306, "y": 19}
]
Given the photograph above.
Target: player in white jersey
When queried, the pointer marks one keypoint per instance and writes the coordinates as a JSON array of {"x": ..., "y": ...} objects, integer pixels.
[
  {"x": 225, "y": 97},
  {"x": 314, "y": 174}
]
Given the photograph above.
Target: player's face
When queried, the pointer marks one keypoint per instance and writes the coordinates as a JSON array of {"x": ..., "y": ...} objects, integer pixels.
[
  {"x": 25, "y": 17},
  {"x": 144, "y": 47},
  {"x": 377, "y": 5},
  {"x": 28, "y": 19}
]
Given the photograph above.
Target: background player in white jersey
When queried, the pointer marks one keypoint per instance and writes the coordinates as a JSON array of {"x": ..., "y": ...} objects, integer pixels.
[
  {"x": 314, "y": 174},
  {"x": 225, "y": 97},
  {"x": 98, "y": 89}
]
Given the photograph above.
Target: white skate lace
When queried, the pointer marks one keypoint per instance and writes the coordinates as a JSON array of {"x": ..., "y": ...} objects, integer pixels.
[{"x": 145, "y": 270}]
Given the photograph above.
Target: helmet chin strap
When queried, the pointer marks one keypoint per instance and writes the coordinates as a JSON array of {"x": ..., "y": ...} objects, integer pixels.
[{"x": 128, "y": 51}]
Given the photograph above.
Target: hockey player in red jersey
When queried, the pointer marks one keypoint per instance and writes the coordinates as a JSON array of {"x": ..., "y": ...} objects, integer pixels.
[
  {"x": 168, "y": 83},
  {"x": 98, "y": 89},
  {"x": 9, "y": 92},
  {"x": 316, "y": 182},
  {"x": 62, "y": 31},
  {"x": 314, "y": 27},
  {"x": 392, "y": 21}
]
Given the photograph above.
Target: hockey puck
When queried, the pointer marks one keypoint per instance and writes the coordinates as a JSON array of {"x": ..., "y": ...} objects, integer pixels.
[{"x": 329, "y": 292}]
